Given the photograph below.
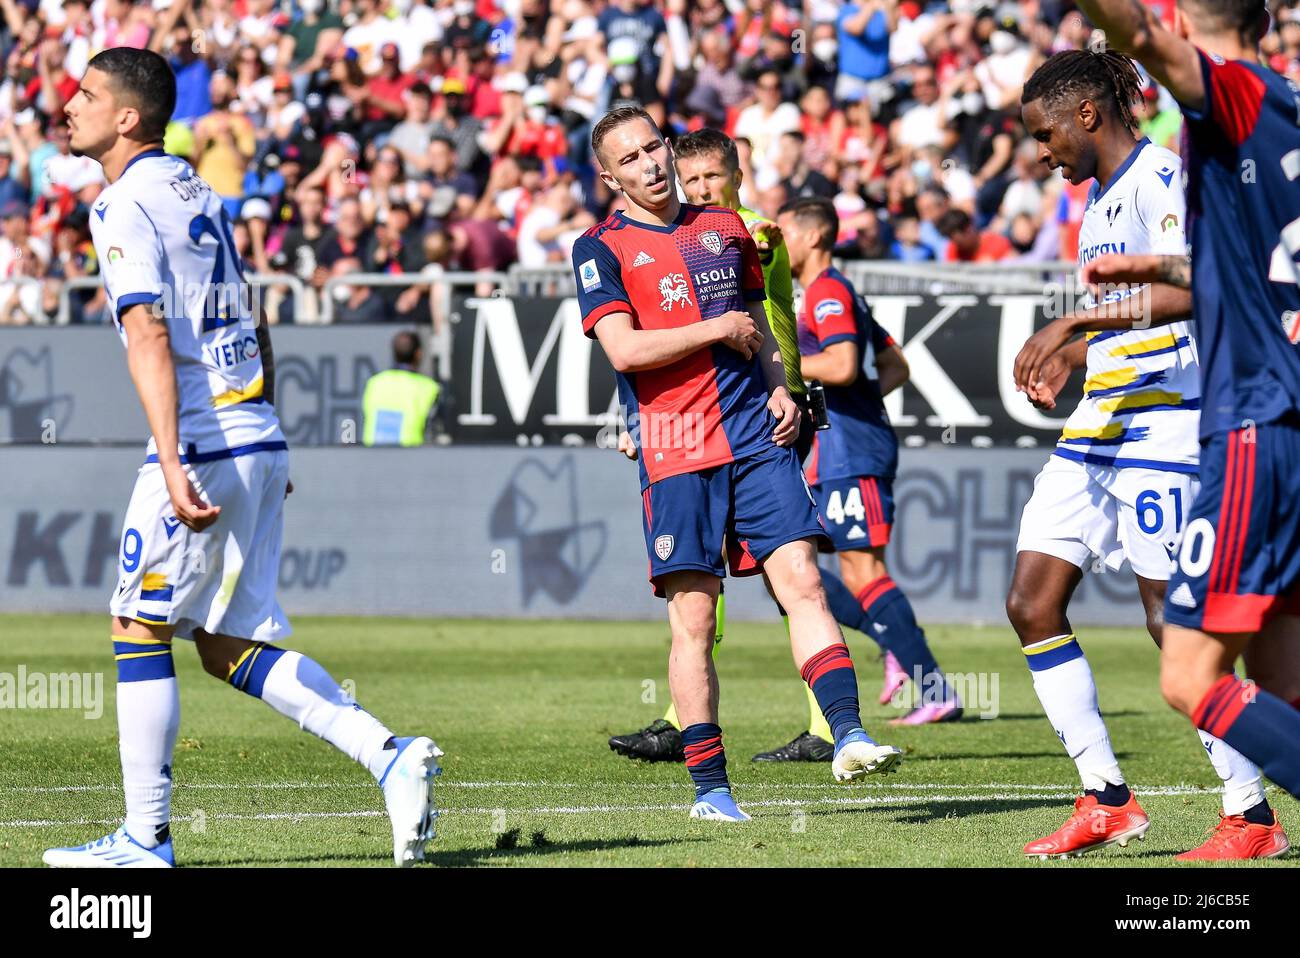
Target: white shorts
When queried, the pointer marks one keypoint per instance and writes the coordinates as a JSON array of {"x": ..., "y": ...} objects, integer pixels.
[
  {"x": 1079, "y": 510},
  {"x": 221, "y": 580}
]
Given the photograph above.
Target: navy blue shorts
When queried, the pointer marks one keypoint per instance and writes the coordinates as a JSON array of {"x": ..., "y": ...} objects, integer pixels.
[
  {"x": 745, "y": 509},
  {"x": 858, "y": 512},
  {"x": 1239, "y": 560}
]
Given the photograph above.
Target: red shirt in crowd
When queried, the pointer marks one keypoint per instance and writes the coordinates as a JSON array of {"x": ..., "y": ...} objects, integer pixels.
[
  {"x": 386, "y": 89},
  {"x": 993, "y": 247}
]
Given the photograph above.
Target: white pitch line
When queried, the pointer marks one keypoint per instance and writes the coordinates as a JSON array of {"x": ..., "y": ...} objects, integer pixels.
[
  {"x": 902, "y": 798},
  {"x": 289, "y": 786}
]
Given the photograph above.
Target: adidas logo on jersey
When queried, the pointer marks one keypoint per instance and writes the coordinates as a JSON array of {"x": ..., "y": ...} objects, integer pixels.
[
  {"x": 1182, "y": 596},
  {"x": 856, "y": 533},
  {"x": 642, "y": 258}
]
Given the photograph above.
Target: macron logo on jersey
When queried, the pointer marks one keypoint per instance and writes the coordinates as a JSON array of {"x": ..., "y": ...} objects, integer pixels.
[
  {"x": 1166, "y": 175},
  {"x": 100, "y": 209}
]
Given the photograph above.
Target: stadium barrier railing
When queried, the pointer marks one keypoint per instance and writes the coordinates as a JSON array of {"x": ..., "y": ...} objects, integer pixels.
[
  {"x": 41, "y": 318},
  {"x": 63, "y": 316},
  {"x": 441, "y": 284},
  {"x": 869, "y": 277}
]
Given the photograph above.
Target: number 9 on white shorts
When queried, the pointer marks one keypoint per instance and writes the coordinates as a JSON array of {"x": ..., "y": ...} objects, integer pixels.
[{"x": 221, "y": 580}]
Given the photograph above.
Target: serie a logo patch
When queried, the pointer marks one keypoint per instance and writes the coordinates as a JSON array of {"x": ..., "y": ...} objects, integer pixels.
[{"x": 664, "y": 547}]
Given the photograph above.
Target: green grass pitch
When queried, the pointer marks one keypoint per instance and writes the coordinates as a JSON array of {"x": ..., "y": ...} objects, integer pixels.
[{"x": 523, "y": 710}]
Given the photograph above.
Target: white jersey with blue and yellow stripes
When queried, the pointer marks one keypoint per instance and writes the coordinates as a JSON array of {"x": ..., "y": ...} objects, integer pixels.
[
  {"x": 163, "y": 237},
  {"x": 1142, "y": 398}
]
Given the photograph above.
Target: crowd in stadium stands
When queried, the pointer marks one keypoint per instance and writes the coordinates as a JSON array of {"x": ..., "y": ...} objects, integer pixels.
[{"x": 384, "y": 136}]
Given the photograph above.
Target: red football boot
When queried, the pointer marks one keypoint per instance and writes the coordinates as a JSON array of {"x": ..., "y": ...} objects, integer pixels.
[
  {"x": 1093, "y": 826},
  {"x": 1236, "y": 839}
]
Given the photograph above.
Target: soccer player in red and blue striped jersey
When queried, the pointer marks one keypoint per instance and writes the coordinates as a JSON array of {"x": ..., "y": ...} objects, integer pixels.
[
  {"x": 1236, "y": 591},
  {"x": 852, "y": 464},
  {"x": 674, "y": 294}
]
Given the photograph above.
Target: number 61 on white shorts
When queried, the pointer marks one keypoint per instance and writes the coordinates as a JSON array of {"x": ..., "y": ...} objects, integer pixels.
[{"x": 1080, "y": 510}]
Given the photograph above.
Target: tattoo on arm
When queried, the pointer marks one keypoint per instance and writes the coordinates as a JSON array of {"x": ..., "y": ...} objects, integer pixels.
[
  {"x": 1176, "y": 271},
  {"x": 268, "y": 360}
]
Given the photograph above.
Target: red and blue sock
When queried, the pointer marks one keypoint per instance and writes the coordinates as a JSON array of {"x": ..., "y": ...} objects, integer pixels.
[
  {"x": 706, "y": 759},
  {"x": 1258, "y": 725},
  {"x": 893, "y": 625},
  {"x": 847, "y": 610},
  {"x": 830, "y": 675}
]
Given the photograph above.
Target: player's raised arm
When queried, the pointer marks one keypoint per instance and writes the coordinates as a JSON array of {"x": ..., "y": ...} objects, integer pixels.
[
  {"x": 1135, "y": 29},
  {"x": 1155, "y": 305},
  {"x": 149, "y": 360},
  {"x": 1126, "y": 268}
]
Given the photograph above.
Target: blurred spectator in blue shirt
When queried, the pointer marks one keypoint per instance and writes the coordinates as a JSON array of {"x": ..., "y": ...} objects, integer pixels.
[{"x": 864, "y": 30}]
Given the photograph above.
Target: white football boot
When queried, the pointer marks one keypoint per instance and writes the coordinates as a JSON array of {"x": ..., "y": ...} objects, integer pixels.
[
  {"x": 857, "y": 756},
  {"x": 408, "y": 795},
  {"x": 118, "y": 850}
]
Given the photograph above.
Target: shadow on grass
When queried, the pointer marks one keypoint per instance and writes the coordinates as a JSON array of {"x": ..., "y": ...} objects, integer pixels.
[
  {"x": 937, "y": 809},
  {"x": 462, "y": 858},
  {"x": 324, "y": 861},
  {"x": 972, "y": 717},
  {"x": 956, "y": 756},
  {"x": 473, "y": 857}
]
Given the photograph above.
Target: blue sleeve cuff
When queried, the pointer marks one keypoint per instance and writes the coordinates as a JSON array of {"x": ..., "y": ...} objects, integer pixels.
[
  {"x": 830, "y": 341},
  {"x": 135, "y": 299}
]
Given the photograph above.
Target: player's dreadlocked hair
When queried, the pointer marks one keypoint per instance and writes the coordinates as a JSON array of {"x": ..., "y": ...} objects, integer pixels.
[{"x": 1098, "y": 76}]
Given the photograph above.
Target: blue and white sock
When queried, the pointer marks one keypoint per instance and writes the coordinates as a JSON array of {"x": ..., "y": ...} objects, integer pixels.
[
  {"x": 1243, "y": 786},
  {"x": 148, "y": 719},
  {"x": 1065, "y": 687},
  {"x": 297, "y": 687}
]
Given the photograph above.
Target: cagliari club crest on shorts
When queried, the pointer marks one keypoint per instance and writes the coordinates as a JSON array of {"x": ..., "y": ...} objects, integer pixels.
[{"x": 664, "y": 547}]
